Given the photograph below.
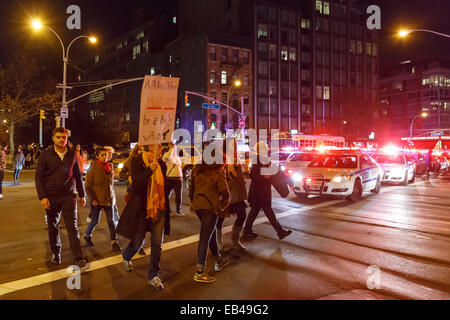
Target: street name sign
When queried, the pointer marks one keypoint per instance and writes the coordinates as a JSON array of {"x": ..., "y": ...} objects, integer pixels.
[{"x": 210, "y": 106}]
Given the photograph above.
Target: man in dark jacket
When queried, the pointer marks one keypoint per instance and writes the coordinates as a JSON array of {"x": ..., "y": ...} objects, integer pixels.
[{"x": 57, "y": 174}]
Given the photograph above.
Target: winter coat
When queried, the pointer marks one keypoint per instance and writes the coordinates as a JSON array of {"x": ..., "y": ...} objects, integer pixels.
[
  {"x": 2, "y": 160},
  {"x": 56, "y": 177},
  {"x": 236, "y": 183},
  {"x": 19, "y": 160},
  {"x": 133, "y": 218},
  {"x": 260, "y": 192},
  {"x": 99, "y": 185},
  {"x": 206, "y": 187}
]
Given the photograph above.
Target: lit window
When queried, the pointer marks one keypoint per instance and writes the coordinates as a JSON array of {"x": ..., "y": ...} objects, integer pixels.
[
  {"x": 127, "y": 117},
  {"x": 145, "y": 46},
  {"x": 140, "y": 35},
  {"x": 292, "y": 54},
  {"x": 245, "y": 79},
  {"x": 174, "y": 20},
  {"x": 306, "y": 24},
  {"x": 368, "y": 48},
  {"x": 136, "y": 51},
  {"x": 97, "y": 58},
  {"x": 119, "y": 45},
  {"x": 223, "y": 79},
  {"x": 262, "y": 30},
  {"x": 319, "y": 92},
  {"x": 326, "y": 93},
  {"x": 326, "y": 8},
  {"x": 284, "y": 54},
  {"x": 152, "y": 71},
  {"x": 212, "y": 76},
  {"x": 319, "y": 6}
]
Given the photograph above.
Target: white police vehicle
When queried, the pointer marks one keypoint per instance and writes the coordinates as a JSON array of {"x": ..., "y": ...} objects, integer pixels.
[
  {"x": 347, "y": 174},
  {"x": 396, "y": 168}
]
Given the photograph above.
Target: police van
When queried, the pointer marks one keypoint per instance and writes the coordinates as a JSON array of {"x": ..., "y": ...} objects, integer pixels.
[{"x": 337, "y": 173}]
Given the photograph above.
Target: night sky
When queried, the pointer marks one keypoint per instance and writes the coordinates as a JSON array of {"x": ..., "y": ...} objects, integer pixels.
[{"x": 109, "y": 18}]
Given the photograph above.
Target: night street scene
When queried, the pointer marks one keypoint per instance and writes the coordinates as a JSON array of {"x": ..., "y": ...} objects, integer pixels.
[{"x": 222, "y": 157}]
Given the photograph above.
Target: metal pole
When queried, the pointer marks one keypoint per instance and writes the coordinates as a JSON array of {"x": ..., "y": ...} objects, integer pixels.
[
  {"x": 411, "y": 127},
  {"x": 63, "y": 105},
  {"x": 40, "y": 131}
]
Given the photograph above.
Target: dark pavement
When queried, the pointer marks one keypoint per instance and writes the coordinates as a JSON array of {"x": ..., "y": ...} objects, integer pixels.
[{"x": 336, "y": 245}]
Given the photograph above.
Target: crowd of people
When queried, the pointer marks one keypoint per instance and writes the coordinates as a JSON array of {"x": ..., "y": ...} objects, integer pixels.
[{"x": 216, "y": 191}]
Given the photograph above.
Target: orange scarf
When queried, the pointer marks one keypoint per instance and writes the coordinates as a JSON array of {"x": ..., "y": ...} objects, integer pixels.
[{"x": 155, "y": 192}]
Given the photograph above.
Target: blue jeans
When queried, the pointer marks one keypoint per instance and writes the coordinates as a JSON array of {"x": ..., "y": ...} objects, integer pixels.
[
  {"x": 156, "y": 240},
  {"x": 16, "y": 174},
  {"x": 208, "y": 237},
  {"x": 95, "y": 214}
]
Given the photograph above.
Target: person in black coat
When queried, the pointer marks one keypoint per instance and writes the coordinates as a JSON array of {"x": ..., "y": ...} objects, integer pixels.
[
  {"x": 260, "y": 198},
  {"x": 57, "y": 176},
  {"x": 134, "y": 224}
]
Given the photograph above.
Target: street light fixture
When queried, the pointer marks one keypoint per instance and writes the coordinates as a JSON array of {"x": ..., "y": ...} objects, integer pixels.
[
  {"x": 405, "y": 32},
  {"x": 37, "y": 25},
  {"x": 236, "y": 83},
  {"x": 423, "y": 115}
]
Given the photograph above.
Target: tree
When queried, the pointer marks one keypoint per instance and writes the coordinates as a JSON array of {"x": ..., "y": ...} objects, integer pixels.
[{"x": 23, "y": 92}]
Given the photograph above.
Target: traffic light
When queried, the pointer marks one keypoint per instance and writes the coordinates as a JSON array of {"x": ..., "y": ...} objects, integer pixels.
[
  {"x": 41, "y": 114},
  {"x": 186, "y": 101},
  {"x": 213, "y": 125}
]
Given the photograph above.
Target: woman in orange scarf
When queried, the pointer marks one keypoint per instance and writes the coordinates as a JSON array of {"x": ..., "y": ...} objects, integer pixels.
[{"x": 145, "y": 211}]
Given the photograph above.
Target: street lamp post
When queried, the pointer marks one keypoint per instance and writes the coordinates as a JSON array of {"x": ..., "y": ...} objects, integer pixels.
[
  {"x": 236, "y": 84},
  {"x": 404, "y": 33},
  {"x": 423, "y": 115},
  {"x": 37, "y": 25}
]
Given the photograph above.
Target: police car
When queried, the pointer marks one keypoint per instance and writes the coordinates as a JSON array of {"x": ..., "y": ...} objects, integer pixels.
[
  {"x": 347, "y": 174},
  {"x": 396, "y": 168},
  {"x": 297, "y": 162}
]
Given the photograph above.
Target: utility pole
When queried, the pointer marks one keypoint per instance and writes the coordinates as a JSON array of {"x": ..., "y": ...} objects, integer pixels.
[{"x": 41, "y": 117}]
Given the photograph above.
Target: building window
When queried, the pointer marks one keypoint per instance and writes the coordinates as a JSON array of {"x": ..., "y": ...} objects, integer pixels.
[
  {"x": 368, "y": 48},
  {"x": 326, "y": 8},
  {"x": 224, "y": 55},
  {"x": 359, "y": 47},
  {"x": 262, "y": 68},
  {"x": 145, "y": 46},
  {"x": 262, "y": 30},
  {"x": 212, "y": 53},
  {"x": 174, "y": 20},
  {"x": 119, "y": 46},
  {"x": 262, "y": 87},
  {"x": 213, "y": 95},
  {"x": 245, "y": 79},
  {"x": 273, "y": 88},
  {"x": 223, "y": 79},
  {"x": 152, "y": 71},
  {"x": 306, "y": 40},
  {"x": 319, "y": 92},
  {"x": 306, "y": 24},
  {"x": 284, "y": 53},
  {"x": 212, "y": 76},
  {"x": 352, "y": 46},
  {"x": 326, "y": 93},
  {"x": 245, "y": 57},
  {"x": 136, "y": 51},
  {"x": 224, "y": 97},
  {"x": 96, "y": 58},
  {"x": 375, "y": 50},
  {"x": 273, "y": 51},
  {"x": 306, "y": 57},
  {"x": 234, "y": 55},
  {"x": 140, "y": 35},
  {"x": 319, "y": 6},
  {"x": 292, "y": 54},
  {"x": 306, "y": 75},
  {"x": 127, "y": 117}
]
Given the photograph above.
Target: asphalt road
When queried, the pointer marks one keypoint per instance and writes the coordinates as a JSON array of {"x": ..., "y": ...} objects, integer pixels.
[{"x": 394, "y": 245}]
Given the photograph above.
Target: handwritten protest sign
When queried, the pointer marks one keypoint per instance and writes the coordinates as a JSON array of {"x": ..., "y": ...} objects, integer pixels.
[{"x": 158, "y": 107}]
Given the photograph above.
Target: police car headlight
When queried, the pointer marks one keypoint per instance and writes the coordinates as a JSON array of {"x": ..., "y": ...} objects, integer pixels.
[
  {"x": 120, "y": 166},
  {"x": 337, "y": 179},
  {"x": 297, "y": 177},
  {"x": 283, "y": 168}
]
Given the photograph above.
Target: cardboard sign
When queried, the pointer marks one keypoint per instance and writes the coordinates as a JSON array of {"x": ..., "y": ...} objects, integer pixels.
[{"x": 158, "y": 108}]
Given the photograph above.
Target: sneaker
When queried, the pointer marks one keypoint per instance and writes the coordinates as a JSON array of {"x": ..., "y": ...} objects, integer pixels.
[
  {"x": 222, "y": 263},
  {"x": 141, "y": 252},
  {"x": 156, "y": 283},
  {"x": 180, "y": 214},
  {"x": 56, "y": 258},
  {"x": 249, "y": 236},
  {"x": 203, "y": 277},
  {"x": 115, "y": 246},
  {"x": 88, "y": 220},
  {"x": 284, "y": 233},
  {"x": 80, "y": 261},
  {"x": 89, "y": 241},
  {"x": 127, "y": 265},
  {"x": 1, "y": 196}
]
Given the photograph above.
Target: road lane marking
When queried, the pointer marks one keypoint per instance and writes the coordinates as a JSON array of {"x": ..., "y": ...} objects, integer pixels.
[{"x": 49, "y": 277}]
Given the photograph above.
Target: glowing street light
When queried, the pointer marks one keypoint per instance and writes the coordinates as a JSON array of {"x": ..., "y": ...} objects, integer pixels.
[
  {"x": 237, "y": 83},
  {"x": 423, "y": 115},
  {"x": 37, "y": 25},
  {"x": 403, "y": 33}
]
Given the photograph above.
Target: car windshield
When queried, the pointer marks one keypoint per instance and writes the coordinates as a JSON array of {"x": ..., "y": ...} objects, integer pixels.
[
  {"x": 387, "y": 158},
  {"x": 334, "y": 161},
  {"x": 302, "y": 157}
]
